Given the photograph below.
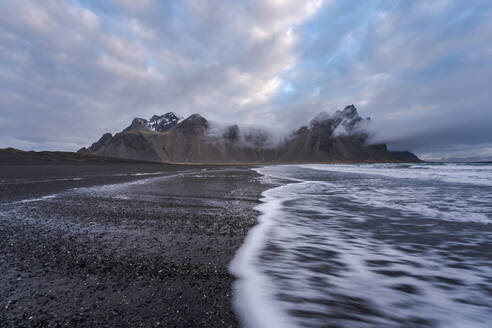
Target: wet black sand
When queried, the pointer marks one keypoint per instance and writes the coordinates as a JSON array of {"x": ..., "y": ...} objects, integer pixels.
[{"x": 128, "y": 255}]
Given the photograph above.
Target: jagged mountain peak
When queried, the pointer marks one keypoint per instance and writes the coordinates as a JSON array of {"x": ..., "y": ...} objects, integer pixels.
[
  {"x": 193, "y": 124},
  {"x": 341, "y": 122},
  {"x": 349, "y": 113},
  {"x": 137, "y": 124},
  {"x": 164, "y": 122},
  {"x": 350, "y": 110},
  {"x": 157, "y": 123}
]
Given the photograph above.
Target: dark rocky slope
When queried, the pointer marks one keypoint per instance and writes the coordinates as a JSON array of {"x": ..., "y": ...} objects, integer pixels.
[{"x": 340, "y": 137}]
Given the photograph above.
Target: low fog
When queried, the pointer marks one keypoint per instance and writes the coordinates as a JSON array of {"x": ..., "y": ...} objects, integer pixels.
[{"x": 247, "y": 135}]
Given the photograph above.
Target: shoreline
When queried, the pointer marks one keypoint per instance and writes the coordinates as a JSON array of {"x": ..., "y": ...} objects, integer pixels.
[
  {"x": 251, "y": 283},
  {"x": 123, "y": 252}
]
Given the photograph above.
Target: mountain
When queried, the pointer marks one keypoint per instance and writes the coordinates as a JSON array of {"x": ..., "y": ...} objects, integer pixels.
[
  {"x": 156, "y": 123},
  {"x": 340, "y": 137}
]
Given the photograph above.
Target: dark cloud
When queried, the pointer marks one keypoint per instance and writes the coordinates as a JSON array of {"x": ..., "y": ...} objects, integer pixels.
[{"x": 70, "y": 71}]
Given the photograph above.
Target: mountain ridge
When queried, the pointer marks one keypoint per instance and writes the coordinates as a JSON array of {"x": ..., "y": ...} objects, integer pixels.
[
  {"x": 340, "y": 137},
  {"x": 157, "y": 123}
]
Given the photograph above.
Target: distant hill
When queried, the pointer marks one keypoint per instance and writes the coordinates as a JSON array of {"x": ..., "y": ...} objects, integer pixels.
[
  {"x": 340, "y": 137},
  {"x": 12, "y": 156}
]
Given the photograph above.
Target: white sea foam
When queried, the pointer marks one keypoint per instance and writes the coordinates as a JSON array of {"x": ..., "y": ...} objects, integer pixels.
[
  {"x": 116, "y": 190},
  {"x": 265, "y": 172},
  {"x": 31, "y": 200},
  {"x": 149, "y": 173},
  {"x": 254, "y": 302},
  {"x": 367, "y": 252},
  {"x": 471, "y": 174},
  {"x": 123, "y": 190}
]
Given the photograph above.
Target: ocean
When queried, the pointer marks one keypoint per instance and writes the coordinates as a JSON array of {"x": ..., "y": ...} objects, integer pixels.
[{"x": 369, "y": 245}]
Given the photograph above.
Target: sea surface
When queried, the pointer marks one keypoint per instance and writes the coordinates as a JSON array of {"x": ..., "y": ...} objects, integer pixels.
[{"x": 370, "y": 245}]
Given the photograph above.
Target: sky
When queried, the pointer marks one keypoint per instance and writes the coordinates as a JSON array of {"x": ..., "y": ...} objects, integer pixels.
[{"x": 71, "y": 70}]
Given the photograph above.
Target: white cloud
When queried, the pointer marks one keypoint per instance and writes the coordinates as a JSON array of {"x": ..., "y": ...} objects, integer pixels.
[
  {"x": 141, "y": 30},
  {"x": 419, "y": 68}
]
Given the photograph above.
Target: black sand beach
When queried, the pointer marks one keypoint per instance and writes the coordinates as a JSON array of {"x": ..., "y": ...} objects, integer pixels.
[{"x": 90, "y": 244}]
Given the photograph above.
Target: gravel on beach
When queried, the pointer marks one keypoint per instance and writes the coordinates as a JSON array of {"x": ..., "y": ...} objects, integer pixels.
[{"x": 122, "y": 245}]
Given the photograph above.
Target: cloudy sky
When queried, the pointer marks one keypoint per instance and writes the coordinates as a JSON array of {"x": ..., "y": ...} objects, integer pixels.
[{"x": 71, "y": 70}]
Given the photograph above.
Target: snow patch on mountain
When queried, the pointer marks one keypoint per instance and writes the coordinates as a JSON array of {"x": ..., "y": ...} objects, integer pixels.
[
  {"x": 163, "y": 122},
  {"x": 156, "y": 123}
]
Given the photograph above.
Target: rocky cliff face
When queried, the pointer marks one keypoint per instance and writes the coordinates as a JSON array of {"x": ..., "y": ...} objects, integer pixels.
[{"x": 167, "y": 138}]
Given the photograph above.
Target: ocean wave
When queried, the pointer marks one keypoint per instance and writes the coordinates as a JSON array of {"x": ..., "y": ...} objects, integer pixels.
[{"x": 370, "y": 250}]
